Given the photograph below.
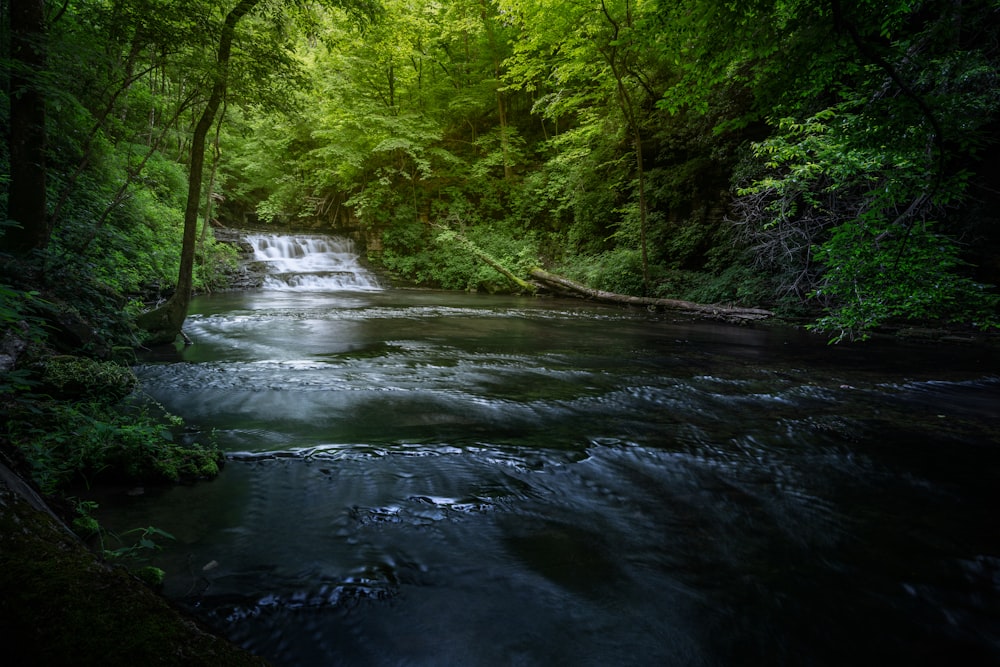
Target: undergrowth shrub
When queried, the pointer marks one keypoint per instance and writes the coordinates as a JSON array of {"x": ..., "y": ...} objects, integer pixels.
[
  {"x": 88, "y": 441},
  {"x": 617, "y": 271},
  {"x": 68, "y": 375}
]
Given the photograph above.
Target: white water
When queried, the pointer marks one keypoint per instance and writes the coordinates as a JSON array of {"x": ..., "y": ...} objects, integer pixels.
[{"x": 311, "y": 263}]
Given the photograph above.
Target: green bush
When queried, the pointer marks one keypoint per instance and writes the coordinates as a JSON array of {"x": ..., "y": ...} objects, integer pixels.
[
  {"x": 618, "y": 271},
  {"x": 216, "y": 263},
  {"x": 736, "y": 284},
  {"x": 67, "y": 375},
  {"x": 17, "y": 317},
  {"x": 67, "y": 443},
  {"x": 908, "y": 274}
]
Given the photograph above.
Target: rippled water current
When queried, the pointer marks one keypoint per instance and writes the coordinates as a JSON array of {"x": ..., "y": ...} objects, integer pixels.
[{"x": 428, "y": 478}]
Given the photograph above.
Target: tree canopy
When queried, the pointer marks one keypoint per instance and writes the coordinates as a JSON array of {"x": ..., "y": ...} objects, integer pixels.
[{"x": 826, "y": 159}]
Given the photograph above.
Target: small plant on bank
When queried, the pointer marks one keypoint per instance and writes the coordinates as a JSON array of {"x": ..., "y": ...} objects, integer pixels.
[
  {"x": 140, "y": 551},
  {"x": 84, "y": 524},
  {"x": 136, "y": 555}
]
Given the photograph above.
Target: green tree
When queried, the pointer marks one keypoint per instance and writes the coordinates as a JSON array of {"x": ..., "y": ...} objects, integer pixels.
[
  {"x": 397, "y": 122},
  {"x": 164, "y": 323},
  {"x": 597, "y": 70},
  {"x": 853, "y": 204},
  {"x": 604, "y": 135}
]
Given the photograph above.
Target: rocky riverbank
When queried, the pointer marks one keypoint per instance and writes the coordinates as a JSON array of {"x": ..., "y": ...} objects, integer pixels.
[
  {"x": 61, "y": 605},
  {"x": 249, "y": 274},
  {"x": 63, "y": 373}
]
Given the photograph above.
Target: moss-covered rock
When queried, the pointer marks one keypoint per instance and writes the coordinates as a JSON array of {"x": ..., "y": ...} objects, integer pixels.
[
  {"x": 93, "y": 441},
  {"x": 60, "y": 605}
]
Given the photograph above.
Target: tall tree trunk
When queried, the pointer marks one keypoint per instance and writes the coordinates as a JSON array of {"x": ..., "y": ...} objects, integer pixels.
[
  {"x": 501, "y": 104},
  {"x": 164, "y": 323},
  {"x": 619, "y": 68},
  {"x": 504, "y": 134},
  {"x": 643, "y": 204},
  {"x": 210, "y": 191},
  {"x": 26, "y": 202}
]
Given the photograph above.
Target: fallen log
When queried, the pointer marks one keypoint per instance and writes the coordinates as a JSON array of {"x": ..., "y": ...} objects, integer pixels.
[
  {"x": 572, "y": 288},
  {"x": 497, "y": 266},
  {"x": 451, "y": 236}
]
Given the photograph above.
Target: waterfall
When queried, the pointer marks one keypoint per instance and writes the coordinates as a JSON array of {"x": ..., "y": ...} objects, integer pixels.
[{"x": 310, "y": 262}]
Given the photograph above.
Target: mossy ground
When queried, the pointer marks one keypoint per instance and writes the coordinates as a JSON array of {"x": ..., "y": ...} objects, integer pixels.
[{"x": 60, "y": 605}]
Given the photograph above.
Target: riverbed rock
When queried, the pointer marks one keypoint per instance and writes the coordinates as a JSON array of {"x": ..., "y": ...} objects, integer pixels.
[
  {"x": 248, "y": 274},
  {"x": 12, "y": 345}
]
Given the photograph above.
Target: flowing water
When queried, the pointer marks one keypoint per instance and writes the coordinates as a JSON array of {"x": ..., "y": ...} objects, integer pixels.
[
  {"x": 314, "y": 263},
  {"x": 430, "y": 478}
]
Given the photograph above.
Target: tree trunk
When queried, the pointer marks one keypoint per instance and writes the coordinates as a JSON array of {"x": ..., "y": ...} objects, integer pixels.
[
  {"x": 497, "y": 266},
  {"x": 26, "y": 203},
  {"x": 569, "y": 287},
  {"x": 210, "y": 193},
  {"x": 451, "y": 235},
  {"x": 501, "y": 103},
  {"x": 164, "y": 323},
  {"x": 619, "y": 69}
]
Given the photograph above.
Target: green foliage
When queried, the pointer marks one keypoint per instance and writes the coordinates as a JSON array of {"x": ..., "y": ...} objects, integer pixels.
[
  {"x": 216, "y": 263},
  {"x": 598, "y": 136},
  {"x": 843, "y": 206},
  {"x": 141, "y": 549},
  {"x": 735, "y": 284},
  {"x": 613, "y": 271},
  {"x": 409, "y": 255},
  {"x": 499, "y": 268},
  {"x": 79, "y": 376},
  {"x": 84, "y": 523},
  {"x": 16, "y": 307},
  {"x": 134, "y": 554},
  {"x": 70, "y": 442},
  {"x": 79, "y": 302},
  {"x": 453, "y": 258},
  {"x": 876, "y": 275}
]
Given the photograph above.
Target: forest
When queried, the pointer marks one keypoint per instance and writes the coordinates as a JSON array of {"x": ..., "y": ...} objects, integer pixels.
[{"x": 827, "y": 161}]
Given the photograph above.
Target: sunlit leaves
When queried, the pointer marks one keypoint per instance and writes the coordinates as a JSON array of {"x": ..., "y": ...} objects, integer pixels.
[{"x": 530, "y": 115}]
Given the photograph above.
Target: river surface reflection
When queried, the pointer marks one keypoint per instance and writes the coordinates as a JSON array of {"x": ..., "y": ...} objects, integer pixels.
[{"x": 429, "y": 478}]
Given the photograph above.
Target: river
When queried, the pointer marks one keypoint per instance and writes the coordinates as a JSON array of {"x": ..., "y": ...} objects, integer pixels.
[{"x": 431, "y": 478}]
